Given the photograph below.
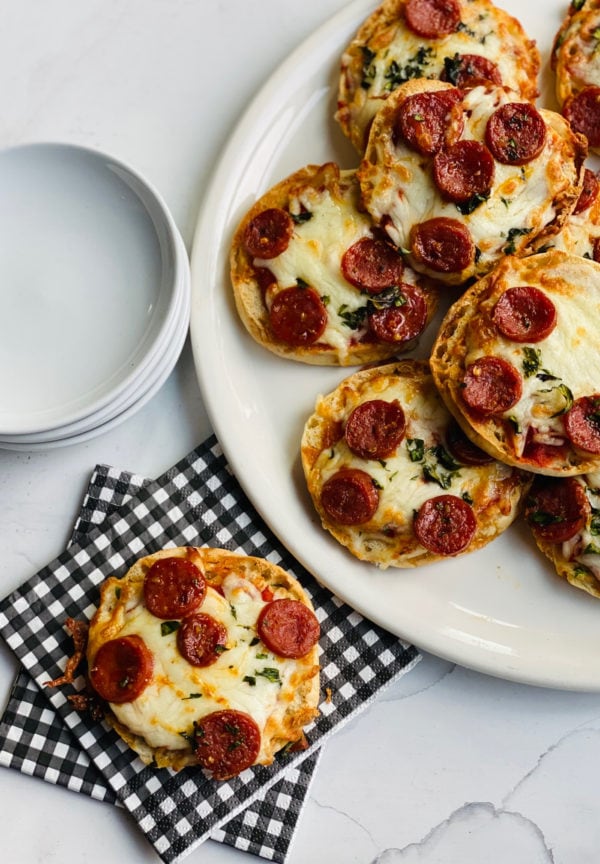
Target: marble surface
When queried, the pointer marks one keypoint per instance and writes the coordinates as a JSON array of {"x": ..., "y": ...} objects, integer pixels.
[{"x": 448, "y": 765}]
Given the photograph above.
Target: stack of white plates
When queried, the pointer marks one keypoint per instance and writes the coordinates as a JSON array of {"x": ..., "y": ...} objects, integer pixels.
[{"x": 94, "y": 294}]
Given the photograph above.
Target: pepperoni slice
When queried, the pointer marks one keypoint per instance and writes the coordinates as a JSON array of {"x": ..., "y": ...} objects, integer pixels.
[
  {"x": 589, "y": 192},
  {"x": 122, "y": 669},
  {"x": 469, "y": 70},
  {"x": 350, "y": 497},
  {"x": 583, "y": 113},
  {"x": 173, "y": 588},
  {"x": 445, "y": 525},
  {"x": 432, "y": 18},
  {"x": 463, "y": 170},
  {"x": 491, "y": 385},
  {"x": 515, "y": 133},
  {"x": 265, "y": 279},
  {"x": 269, "y": 233},
  {"x": 582, "y": 424},
  {"x": 525, "y": 314},
  {"x": 596, "y": 249},
  {"x": 428, "y": 121},
  {"x": 375, "y": 428},
  {"x": 442, "y": 244},
  {"x": 372, "y": 265},
  {"x": 288, "y": 628},
  {"x": 463, "y": 449},
  {"x": 298, "y": 316},
  {"x": 201, "y": 639},
  {"x": 402, "y": 322},
  {"x": 226, "y": 742},
  {"x": 557, "y": 509}
]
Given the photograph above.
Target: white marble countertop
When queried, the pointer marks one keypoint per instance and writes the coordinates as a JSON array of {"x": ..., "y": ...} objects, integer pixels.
[{"x": 448, "y": 765}]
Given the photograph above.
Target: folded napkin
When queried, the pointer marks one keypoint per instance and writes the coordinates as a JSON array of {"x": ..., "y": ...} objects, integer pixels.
[{"x": 197, "y": 502}]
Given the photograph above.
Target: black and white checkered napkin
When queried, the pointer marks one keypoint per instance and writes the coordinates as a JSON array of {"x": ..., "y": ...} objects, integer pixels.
[{"x": 197, "y": 502}]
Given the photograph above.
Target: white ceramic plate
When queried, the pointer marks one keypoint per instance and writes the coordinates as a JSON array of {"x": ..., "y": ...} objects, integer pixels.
[{"x": 501, "y": 610}]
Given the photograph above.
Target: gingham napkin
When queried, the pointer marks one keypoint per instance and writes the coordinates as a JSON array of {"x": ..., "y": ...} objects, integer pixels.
[{"x": 197, "y": 502}]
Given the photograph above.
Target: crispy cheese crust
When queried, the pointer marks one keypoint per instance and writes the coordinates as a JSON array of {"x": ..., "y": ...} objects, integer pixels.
[{"x": 283, "y": 710}]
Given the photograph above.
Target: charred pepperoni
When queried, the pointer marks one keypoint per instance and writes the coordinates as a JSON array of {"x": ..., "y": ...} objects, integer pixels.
[
  {"x": 432, "y": 18},
  {"x": 372, "y": 265},
  {"x": 463, "y": 449},
  {"x": 226, "y": 743},
  {"x": 596, "y": 249},
  {"x": 464, "y": 170},
  {"x": 428, "y": 121},
  {"x": 445, "y": 525},
  {"x": 288, "y": 628},
  {"x": 516, "y": 133},
  {"x": 403, "y": 321},
  {"x": 269, "y": 233},
  {"x": 525, "y": 314},
  {"x": 375, "y": 428},
  {"x": 201, "y": 639},
  {"x": 491, "y": 386},
  {"x": 350, "y": 497},
  {"x": 589, "y": 192},
  {"x": 442, "y": 244},
  {"x": 583, "y": 113},
  {"x": 122, "y": 669},
  {"x": 469, "y": 70},
  {"x": 173, "y": 588},
  {"x": 298, "y": 316},
  {"x": 557, "y": 509},
  {"x": 582, "y": 424}
]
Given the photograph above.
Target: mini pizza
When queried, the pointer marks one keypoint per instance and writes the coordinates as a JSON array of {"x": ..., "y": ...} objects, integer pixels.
[
  {"x": 580, "y": 233},
  {"x": 459, "y": 41},
  {"x": 204, "y": 657},
  {"x": 563, "y": 513},
  {"x": 394, "y": 479},
  {"x": 516, "y": 360},
  {"x": 575, "y": 60},
  {"x": 459, "y": 179},
  {"x": 315, "y": 281}
]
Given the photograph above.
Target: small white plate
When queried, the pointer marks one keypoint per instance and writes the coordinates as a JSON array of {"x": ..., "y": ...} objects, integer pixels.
[{"x": 89, "y": 274}]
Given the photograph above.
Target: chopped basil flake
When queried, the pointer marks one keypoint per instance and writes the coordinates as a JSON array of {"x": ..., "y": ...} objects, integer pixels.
[
  {"x": 532, "y": 360},
  {"x": 416, "y": 449},
  {"x": 167, "y": 627},
  {"x": 511, "y": 238},
  {"x": 192, "y": 696},
  {"x": 269, "y": 673},
  {"x": 301, "y": 217},
  {"x": 250, "y": 679}
]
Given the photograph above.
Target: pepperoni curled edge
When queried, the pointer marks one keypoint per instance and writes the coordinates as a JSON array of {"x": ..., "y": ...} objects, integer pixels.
[
  {"x": 464, "y": 170},
  {"x": 525, "y": 314},
  {"x": 430, "y": 120},
  {"x": 173, "y": 588},
  {"x": 350, "y": 497},
  {"x": 432, "y": 18},
  {"x": 201, "y": 639},
  {"x": 298, "y": 316},
  {"x": 582, "y": 424},
  {"x": 557, "y": 509},
  {"x": 491, "y": 386},
  {"x": 375, "y": 428},
  {"x": 268, "y": 234},
  {"x": 442, "y": 244},
  {"x": 372, "y": 265},
  {"x": 226, "y": 743},
  {"x": 589, "y": 192},
  {"x": 583, "y": 113},
  {"x": 445, "y": 525},
  {"x": 122, "y": 669},
  {"x": 515, "y": 133},
  {"x": 404, "y": 320},
  {"x": 288, "y": 628}
]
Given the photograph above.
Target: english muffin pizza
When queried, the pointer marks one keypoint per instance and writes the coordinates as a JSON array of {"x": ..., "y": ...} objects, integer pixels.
[
  {"x": 392, "y": 476},
  {"x": 517, "y": 362},
  {"x": 459, "y": 41},
  {"x": 459, "y": 179},
  {"x": 314, "y": 280},
  {"x": 564, "y": 516},
  {"x": 580, "y": 233},
  {"x": 204, "y": 657}
]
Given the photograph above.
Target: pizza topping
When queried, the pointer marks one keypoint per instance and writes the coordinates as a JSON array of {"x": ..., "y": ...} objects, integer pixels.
[
  {"x": 463, "y": 449},
  {"x": 589, "y": 192},
  {"x": 298, "y": 316},
  {"x": 583, "y": 113},
  {"x": 350, "y": 497},
  {"x": 432, "y": 18},
  {"x": 268, "y": 233},
  {"x": 525, "y": 314},
  {"x": 445, "y": 245},
  {"x": 372, "y": 265},
  {"x": 516, "y": 133},
  {"x": 79, "y": 633},
  {"x": 491, "y": 385},
  {"x": 427, "y": 121},
  {"x": 288, "y": 628},
  {"x": 122, "y": 669},
  {"x": 226, "y": 742},
  {"x": 582, "y": 423},
  {"x": 173, "y": 588},
  {"x": 464, "y": 170},
  {"x": 404, "y": 319},
  {"x": 470, "y": 70},
  {"x": 201, "y": 639},
  {"x": 375, "y": 428},
  {"x": 445, "y": 525},
  {"x": 557, "y": 509}
]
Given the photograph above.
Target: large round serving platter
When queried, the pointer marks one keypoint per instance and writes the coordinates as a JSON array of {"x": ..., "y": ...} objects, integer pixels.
[{"x": 501, "y": 610}]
